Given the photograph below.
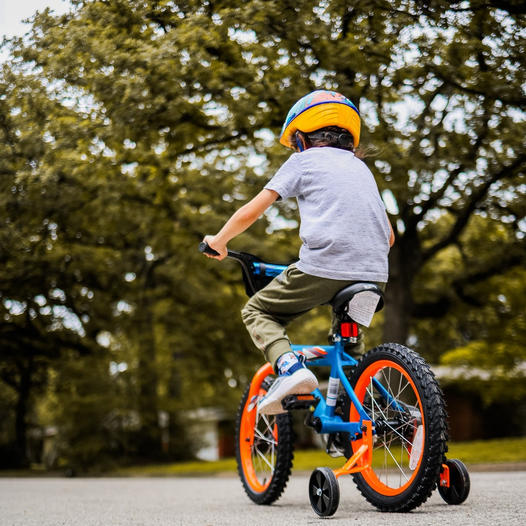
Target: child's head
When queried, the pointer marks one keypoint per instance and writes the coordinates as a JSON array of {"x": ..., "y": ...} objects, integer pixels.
[
  {"x": 329, "y": 136},
  {"x": 322, "y": 118}
]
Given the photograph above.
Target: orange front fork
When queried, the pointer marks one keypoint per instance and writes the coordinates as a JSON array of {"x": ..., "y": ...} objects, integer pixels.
[{"x": 362, "y": 458}]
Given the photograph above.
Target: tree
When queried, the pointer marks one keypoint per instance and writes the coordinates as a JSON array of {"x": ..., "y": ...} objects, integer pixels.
[
  {"x": 473, "y": 113},
  {"x": 38, "y": 320},
  {"x": 119, "y": 241},
  {"x": 131, "y": 128}
]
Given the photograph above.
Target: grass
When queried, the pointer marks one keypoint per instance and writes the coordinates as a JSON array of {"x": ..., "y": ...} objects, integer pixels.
[
  {"x": 490, "y": 451},
  {"x": 227, "y": 465},
  {"x": 510, "y": 450}
]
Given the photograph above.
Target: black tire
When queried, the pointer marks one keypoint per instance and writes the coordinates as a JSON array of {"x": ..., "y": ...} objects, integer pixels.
[
  {"x": 411, "y": 431},
  {"x": 324, "y": 492},
  {"x": 264, "y": 462},
  {"x": 459, "y": 483}
]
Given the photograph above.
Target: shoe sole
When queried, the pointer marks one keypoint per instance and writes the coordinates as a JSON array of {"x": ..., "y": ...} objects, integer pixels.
[{"x": 301, "y": 382}]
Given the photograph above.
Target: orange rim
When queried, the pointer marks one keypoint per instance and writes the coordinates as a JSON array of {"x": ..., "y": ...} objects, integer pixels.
[
  {"x": 258, "y": 438},
  {"x": 394, "y": 475}
]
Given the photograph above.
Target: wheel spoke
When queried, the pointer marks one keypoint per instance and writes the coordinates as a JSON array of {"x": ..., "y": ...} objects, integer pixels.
[
  {"x": 263, "y": 448},
  {"x": 398, "y": 465},
  {"x": 264, "y": 459},
  {"x": 270, "y": 428},
  {"x": 264, "y": 438},
  {"x": 388, "y": 387},
  {"x": 399, "y": 385},
  {"x": 257, "y": 461},
  {"x": 396, "y": 398},
  {"x": 371, "y": 391},
  {"x": 398, "y": 434},
  {"x": 374, "y": 402}
]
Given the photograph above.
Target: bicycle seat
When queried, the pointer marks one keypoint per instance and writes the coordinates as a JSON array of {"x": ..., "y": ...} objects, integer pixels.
[{"x": 343, "y": 297}]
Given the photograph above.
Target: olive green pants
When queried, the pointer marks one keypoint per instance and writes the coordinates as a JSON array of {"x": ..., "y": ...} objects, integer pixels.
[{"x": 286, "y": 297}]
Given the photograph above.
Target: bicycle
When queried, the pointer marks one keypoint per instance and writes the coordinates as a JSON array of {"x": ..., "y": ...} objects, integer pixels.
[{"x": 384, "y": 412}]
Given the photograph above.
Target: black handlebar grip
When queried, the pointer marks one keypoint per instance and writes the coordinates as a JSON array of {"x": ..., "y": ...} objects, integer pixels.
[{"x": 207, "y": 249}]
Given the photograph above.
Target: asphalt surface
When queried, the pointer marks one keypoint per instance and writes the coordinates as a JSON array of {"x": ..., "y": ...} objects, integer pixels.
[{"x": 497, "y": 498}]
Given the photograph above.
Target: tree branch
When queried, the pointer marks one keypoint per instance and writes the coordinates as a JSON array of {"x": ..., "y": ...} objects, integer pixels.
[
  {"x": 438, "y": 308},
  {"x": 515, "y": 101},
  {"x": 464, "y": 215}
]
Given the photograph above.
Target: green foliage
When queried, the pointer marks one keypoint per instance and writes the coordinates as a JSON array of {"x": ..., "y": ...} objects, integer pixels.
[
  {"x": 130, "y": 129},
  {"x": 87, "y": 414}
]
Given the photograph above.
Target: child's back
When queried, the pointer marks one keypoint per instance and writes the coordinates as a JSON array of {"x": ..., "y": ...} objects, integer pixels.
[{"x": 344, "y": 227}]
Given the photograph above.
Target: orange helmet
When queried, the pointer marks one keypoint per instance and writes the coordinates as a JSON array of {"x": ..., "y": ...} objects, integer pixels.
[{"x": 317, "y": 110}]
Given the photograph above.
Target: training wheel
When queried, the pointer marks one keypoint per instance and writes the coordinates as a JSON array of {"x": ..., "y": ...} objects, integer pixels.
[
  {"x": 324, "y": 492},
  {"x": 459, "y": 484}
]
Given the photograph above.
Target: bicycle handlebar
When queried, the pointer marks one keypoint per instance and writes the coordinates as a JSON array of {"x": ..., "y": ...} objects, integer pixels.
[
  {"x": 256, "y": 272},
  {"x": 207, "y": 249}
]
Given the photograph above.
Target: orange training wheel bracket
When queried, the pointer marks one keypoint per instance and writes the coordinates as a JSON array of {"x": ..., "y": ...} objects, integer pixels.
[
  {"x": 444, "y": 477},
  {"x": 363, "y": 457}
]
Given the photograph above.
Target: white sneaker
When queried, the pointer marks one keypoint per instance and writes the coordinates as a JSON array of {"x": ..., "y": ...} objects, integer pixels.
[{"x": 300, "y": 381}]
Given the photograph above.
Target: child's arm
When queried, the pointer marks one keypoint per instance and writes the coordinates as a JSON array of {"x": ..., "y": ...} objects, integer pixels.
[
  {"x": 392, "y": 237},
  {"x": 240, "y": 221}
]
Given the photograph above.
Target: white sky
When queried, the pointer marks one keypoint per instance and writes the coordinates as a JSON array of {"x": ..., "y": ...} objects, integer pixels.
[{"x": 12, "y": 12}]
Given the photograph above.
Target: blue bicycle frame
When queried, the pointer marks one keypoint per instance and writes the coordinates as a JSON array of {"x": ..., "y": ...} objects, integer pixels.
[
  {"x": 404, "y": 426},
  {"x": 336, "y": 358}
]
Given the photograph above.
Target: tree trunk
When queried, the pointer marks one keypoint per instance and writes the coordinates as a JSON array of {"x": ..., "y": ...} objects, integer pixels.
[
  {"x": 23, "y": 391},
  {"x": 149, "y": 439},
  {"x": 404, "y": 263}
]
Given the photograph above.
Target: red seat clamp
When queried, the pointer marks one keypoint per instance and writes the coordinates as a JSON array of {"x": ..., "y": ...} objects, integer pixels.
[{"x": 349, "y": 329}]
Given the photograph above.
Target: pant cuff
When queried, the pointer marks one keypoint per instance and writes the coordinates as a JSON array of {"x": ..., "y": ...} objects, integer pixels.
[{"x": 275, "y": 350}]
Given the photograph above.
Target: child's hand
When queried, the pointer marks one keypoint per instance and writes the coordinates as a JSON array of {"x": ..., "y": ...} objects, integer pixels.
[{"x": 217, "y": 246}]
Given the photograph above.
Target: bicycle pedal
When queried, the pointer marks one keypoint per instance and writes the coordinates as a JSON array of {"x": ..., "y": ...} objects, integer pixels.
[{"x": 299, "y": 402}]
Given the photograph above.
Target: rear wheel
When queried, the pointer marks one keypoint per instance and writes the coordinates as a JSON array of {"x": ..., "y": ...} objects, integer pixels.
[
  {"x": 264, "y": 449},
  {"x": 400, "y": 393}
]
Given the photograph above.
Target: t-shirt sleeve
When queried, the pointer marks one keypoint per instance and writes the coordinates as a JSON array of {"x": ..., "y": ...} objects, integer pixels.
[{"x": 286, "y": 181}]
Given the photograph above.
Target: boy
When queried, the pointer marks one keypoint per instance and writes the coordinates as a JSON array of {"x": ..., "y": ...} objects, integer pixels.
[{"x": 344, "y": 228}]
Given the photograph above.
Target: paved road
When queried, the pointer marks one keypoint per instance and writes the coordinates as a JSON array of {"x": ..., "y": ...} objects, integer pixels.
[{"x": 495, "y": 499}]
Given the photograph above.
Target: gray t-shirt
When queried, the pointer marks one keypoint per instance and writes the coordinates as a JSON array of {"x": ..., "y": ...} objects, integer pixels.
[{"x": 344, "y": 225}]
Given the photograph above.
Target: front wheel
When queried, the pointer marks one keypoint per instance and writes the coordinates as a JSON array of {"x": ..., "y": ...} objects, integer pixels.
[
  {"x": 400, "y": 393},
  {"x": 264, "y": 449}
]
